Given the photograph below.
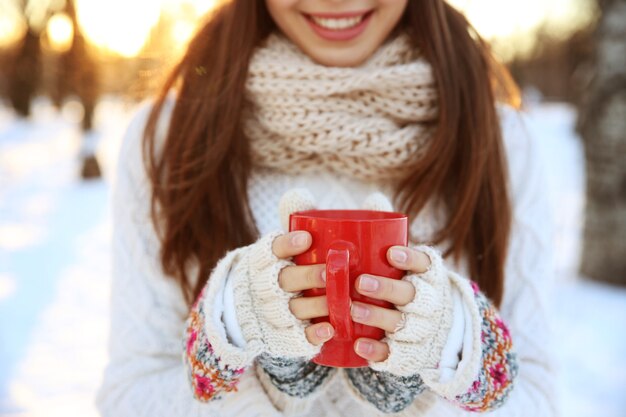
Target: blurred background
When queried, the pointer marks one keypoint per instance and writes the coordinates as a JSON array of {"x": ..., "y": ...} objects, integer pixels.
[{"x": 73, "y": 71}]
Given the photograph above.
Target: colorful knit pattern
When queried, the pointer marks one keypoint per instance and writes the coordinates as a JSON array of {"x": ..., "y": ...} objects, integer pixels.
[
  {"x": 208, "y": 377},
  {"x": 499, "y": 363}
]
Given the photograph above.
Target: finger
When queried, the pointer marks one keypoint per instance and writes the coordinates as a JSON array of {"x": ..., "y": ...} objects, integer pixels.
[
  {"x": 300, "y": 278},
  {"x": 371, "y": 349},
  {"x": 395, "y": 291},
  {"x": 319, "y": 333},
  {"x": 306, "y": 308},
  {"x": 375, "y": 316},
  {"x": 408, "y": 259},
  {"x": 290, "y": 244}
]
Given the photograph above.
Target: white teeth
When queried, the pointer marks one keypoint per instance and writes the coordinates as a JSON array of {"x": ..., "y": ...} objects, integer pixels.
[{"x": 337, "y": 24}]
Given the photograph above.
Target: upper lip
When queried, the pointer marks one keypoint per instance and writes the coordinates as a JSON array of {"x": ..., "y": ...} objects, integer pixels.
[{"x": 338, "y": 15}]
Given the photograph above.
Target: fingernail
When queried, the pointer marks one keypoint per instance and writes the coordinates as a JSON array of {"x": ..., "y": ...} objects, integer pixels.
[
  {"x": 324, "y": 275},
  {"x": 399, "y": 255},
  {"x": 323, "y": 332},
  {"x": 364, "y": 347},
  {"x": 299, "y": 239},
  {"x": 359, "y": 312},
  {"x": 367, "y": 283}
]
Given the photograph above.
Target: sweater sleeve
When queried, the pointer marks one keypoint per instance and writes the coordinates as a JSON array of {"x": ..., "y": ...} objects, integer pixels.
[
  {"x": 214, "y": 363},
  {"x": 146, "y": 374},
  {"x": 529, "y": 274}
]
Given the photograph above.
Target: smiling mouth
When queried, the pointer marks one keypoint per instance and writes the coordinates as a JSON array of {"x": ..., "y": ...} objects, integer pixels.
[{"x": 338, "y": 22}]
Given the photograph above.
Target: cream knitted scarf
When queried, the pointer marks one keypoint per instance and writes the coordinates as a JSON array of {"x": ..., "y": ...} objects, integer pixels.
[{"x": 366, "y": 122}]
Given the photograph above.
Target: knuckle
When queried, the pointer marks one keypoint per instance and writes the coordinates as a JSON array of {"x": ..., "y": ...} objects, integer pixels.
[
  {"x": 318, "y": 306},
  {"x": 323, "y": 305},
  {"x": 377, "y": 315},
  {"x": 413, "y": 259},
  {"x": 422, "y": 261},
  {"x": 382, "y": 318},
  {"x": 312, "y": 277},
  {"x": 388, "y": 289}
]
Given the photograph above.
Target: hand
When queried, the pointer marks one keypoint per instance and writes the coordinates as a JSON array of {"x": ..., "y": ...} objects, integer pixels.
[
  {"x": 299, "y": 278},
  {"x": 397, "y": 292}
]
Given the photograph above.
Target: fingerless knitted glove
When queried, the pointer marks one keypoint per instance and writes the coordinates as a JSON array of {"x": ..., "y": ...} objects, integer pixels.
[
  {"x": 262, "y": 306},
  {"x": 485, "y": 375},
  {"x": 262, "y": 309},
  {"x": 417, "y": 346}
]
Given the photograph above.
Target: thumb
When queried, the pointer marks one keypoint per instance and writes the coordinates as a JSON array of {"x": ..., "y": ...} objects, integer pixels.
[
  {"x": 296, "y": 199},
  {"x": 377, "y": 202}
]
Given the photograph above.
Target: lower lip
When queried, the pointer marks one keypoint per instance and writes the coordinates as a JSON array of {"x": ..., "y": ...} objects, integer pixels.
[{"x": 343, "y": 34}]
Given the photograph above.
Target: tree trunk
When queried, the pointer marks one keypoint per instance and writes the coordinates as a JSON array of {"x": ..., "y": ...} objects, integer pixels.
[
  {"x": 81, "y": 72},
  {"x": 602, "y": 124},
  {"x": 24, "y": 74}
]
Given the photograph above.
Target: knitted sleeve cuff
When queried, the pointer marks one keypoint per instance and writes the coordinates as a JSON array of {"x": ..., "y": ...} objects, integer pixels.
[
  {"x": 214, "y": 366},
  {"x": 486, "y": 375},
  {"x": 387, "y": 392},
  {"x": 416, "y": 348},
  {"x": 292, "y": 384},
  {"x": 267, "y": 323}
]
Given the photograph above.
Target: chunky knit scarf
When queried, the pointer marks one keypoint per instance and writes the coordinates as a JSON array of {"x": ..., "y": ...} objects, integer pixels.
[{"x": 366, "y": 122}]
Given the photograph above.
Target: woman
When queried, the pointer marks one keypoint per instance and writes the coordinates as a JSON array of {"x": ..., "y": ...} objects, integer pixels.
[{"x": 346, "y": 99}]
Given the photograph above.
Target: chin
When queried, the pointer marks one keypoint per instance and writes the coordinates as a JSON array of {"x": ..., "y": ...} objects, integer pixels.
[{"x": 338, "y": 57}]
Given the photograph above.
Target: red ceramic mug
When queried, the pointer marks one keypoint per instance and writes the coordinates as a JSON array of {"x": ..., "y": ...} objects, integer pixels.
[{"x": 350, "y": 243}]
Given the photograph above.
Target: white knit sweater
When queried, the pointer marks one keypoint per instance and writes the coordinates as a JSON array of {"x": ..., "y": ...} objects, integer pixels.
[{"x": 146, "y": 374}]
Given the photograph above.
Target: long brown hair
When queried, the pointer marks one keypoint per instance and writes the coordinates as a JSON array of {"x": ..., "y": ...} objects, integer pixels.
[{"x": 200, "y": 174}]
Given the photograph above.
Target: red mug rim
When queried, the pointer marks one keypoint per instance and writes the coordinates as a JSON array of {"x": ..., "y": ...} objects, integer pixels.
[{"x": 350, "y": 215}]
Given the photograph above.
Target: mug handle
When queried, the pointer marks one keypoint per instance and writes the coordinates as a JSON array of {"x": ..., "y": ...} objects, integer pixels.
[{"x": 338, "y": 292}]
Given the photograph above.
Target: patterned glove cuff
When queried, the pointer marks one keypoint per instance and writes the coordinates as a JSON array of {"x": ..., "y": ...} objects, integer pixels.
[
  {"x": 213, "y": 364},
  {"x": 417, "y": 346},
  {"x": 263, "y": 307}
]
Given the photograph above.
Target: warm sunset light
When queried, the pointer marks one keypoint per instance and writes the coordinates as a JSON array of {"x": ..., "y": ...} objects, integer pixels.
[
  {"x": 510, "y": 23},
  {"x": 182, "y": 32},
  {"x": 12, "y": 26},
  {"x": 201, "y": 6},
  {"x": 123, "y": 26},
  {"x": 119, "y": 26},
  {"x": 60, "y": 31}
]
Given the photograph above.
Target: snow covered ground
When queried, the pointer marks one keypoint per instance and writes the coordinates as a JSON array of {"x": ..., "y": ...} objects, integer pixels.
[{"x": 54, "y": 271}]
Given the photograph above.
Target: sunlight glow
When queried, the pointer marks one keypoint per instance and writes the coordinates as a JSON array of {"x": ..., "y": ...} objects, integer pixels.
[
  {"x": 60, "y": 31},
  {"x": 182, "y": 32},
  {"x": 120, "y": 26},
  {"x": 124, "y": 27},
  {"x": 511, "y": 23},
  {"x": 201, "y": 6},
  {"x": 12, "y": 26}
]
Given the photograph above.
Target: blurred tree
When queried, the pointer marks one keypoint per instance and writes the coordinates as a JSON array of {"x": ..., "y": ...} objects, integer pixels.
[
  {"x": 24, "y": 73},
  {"x": 77, "y": 74},
  {"x": 602, "y": 124}
]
